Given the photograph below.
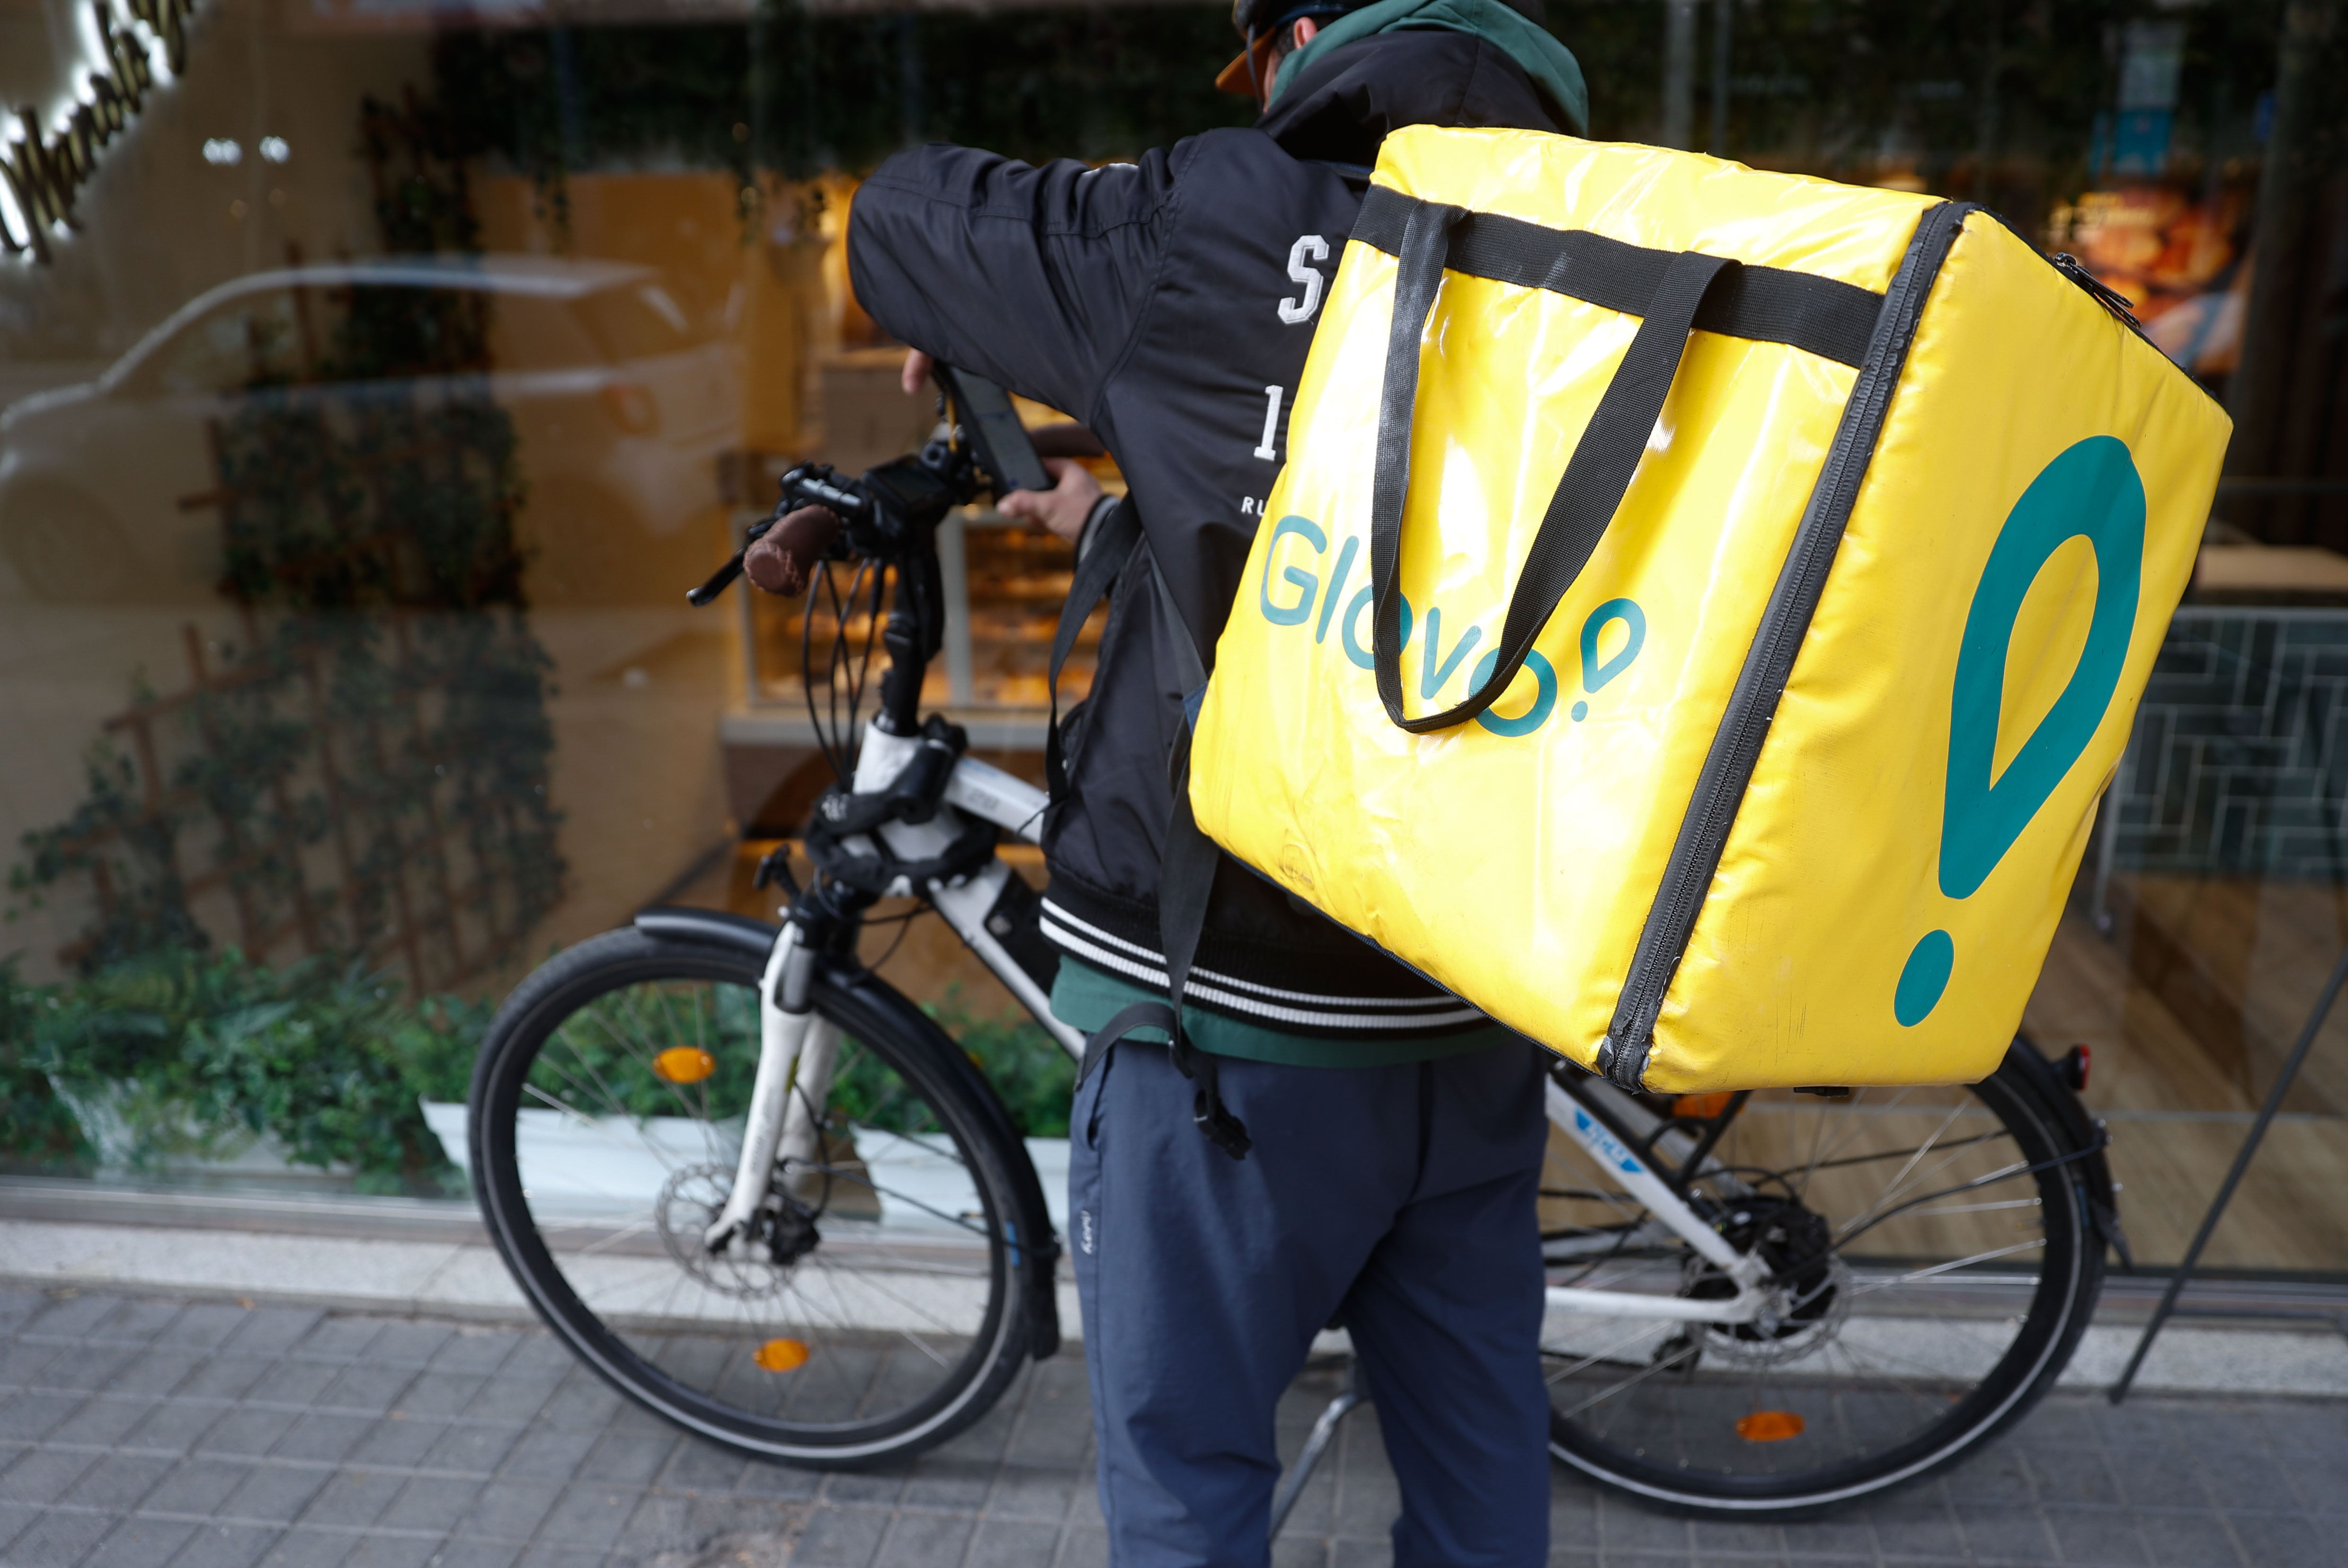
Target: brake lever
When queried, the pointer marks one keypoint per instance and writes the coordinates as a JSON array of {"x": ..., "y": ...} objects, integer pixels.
[
  {"x": 722, "y": 578},
  {"x": 810, "y": 484},
  {"x": 866, "y": 523},
  {"x": 815, "y": 484}
]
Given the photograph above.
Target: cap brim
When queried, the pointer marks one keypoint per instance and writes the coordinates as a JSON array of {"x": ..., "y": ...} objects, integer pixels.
[{"x": 1239, "y": 77}]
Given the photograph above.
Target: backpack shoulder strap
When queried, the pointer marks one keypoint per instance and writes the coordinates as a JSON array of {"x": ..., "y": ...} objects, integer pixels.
[
  {"x": 1111, "y": 536},
  {"x": 1189, "y": 859}
]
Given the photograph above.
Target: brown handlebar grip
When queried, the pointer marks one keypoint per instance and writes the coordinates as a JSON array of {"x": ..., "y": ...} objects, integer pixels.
[{"x": 784, "y": 560}]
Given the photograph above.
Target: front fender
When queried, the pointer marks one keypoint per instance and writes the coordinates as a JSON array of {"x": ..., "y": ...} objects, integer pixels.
[
  {"x": 1036, "y": 1248},
  {"x": 715, "y": 926}
]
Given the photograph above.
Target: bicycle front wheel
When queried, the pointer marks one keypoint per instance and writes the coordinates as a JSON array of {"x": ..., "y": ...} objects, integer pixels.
[
  {"x": 1935, "y": 1264},
  {"x": 882, "y": 1309}
]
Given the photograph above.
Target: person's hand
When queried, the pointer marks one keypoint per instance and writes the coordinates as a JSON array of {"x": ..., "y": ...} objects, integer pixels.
[
  {"x": 1063, "y": 508},
  {"x": 784, "y": 560},
  {"x": 916, "y": 372}
]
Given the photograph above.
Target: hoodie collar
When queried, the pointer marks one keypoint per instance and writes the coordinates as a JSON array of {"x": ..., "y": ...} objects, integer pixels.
[{"x": 1341, "y": 104}]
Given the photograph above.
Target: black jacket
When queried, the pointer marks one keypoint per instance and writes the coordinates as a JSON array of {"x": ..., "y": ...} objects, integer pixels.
[{"x": 1168, "y": 303}]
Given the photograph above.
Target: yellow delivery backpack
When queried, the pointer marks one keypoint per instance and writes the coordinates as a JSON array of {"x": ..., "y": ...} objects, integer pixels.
[{"x": 1702, "y": 608}]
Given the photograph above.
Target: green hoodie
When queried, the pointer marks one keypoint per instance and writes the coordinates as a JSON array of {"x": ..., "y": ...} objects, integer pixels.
[{"x": 1549, "y": 63}]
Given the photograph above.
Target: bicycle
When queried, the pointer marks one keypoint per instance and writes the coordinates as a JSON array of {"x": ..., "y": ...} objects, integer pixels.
[{"x": 777, "y": 1205}]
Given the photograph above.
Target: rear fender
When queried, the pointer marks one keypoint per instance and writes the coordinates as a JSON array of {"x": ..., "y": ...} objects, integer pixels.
[{"x": 2039, "y": 1079}]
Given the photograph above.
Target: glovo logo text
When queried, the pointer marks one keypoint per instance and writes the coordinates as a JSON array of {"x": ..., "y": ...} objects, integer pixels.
[
  {"x": 1294, "y": 595},
  {"x": 2091, "y": 491}
]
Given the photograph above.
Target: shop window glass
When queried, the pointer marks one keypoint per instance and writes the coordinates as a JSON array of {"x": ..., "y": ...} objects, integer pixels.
[
  {"x": 341, "y": 623},
  {"x": 639, "y": 321},
  {"x": 241, "y": 343}
]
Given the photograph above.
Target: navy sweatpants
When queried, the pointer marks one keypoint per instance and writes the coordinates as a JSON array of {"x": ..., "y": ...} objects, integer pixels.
[{"x": 1401, "y": 1197}]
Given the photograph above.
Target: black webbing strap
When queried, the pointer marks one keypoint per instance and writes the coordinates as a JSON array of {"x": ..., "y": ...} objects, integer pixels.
[
  {"x": 1186, "y": 878},
  {"x": 1767, "y": 305},
  {"x": 1110, "y": 1035},
  {"x": 1589, "y": 492},
  {"x": 1096, "y": 571},
  {"x": 1187, "y": 863}
]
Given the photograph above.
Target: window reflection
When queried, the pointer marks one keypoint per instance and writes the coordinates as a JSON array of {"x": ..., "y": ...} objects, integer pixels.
[{"x": 349, "y": 482}]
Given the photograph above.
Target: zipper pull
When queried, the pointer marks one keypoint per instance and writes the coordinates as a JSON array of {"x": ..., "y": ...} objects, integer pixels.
[{"x": 2111, "y": 299}]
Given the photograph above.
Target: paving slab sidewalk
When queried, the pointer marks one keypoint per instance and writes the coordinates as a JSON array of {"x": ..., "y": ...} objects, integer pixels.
[
  {"x": 371, "y": 1266},
  {"x": 140, "y": 1431}
]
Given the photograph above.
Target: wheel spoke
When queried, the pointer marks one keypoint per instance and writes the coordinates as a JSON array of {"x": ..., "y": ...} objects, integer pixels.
[
  {"x": 1852, "y": 1364},
  {"x": 869, "y": 1295},
  {"x": 1641, "y": 1332},
  {"x": 1939, "y": 1269}
]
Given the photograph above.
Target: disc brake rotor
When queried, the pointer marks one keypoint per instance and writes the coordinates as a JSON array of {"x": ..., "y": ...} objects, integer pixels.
[
  {"x": 1804, "y": 1303},
  {"x": 691, "y": 1201}
]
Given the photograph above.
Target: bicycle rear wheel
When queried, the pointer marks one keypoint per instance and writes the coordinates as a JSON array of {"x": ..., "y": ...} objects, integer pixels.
[
  {"x": 1936, "y": 1268},
  {"x": 886, "y": 1309}
]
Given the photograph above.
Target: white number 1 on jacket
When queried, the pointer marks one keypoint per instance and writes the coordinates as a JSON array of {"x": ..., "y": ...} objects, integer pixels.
[{"x": 1272, "y": 396}]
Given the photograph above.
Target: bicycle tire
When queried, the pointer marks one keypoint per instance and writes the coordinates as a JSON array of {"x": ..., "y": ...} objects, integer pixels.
[
  {"x": 2056, "y": 1316},
  {"x": 897, "y": 1037}
]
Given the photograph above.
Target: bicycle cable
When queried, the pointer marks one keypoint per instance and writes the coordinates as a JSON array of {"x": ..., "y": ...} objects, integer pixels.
[{"x": 845, "y": 669}]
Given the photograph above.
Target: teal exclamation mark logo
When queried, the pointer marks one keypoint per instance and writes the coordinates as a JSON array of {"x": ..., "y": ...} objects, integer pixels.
[
  {"x": 1596, "y": 673},
  {"x": 2093, "y": 492}
]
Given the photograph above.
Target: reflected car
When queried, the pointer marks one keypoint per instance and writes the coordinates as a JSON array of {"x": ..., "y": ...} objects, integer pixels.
[{"x": 623, "y": 398}]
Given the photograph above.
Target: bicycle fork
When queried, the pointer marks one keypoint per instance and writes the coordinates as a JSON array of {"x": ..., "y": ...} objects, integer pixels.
[{"x": 795, "y": 1047}]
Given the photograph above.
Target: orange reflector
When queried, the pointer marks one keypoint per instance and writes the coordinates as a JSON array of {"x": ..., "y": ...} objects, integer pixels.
[
  {"x": 1765, "y": 1426},
  {"x": 1700, "y": 1106},
  {"x": 782, "y": 1354},
  {"x": 684, "y": 1063}
]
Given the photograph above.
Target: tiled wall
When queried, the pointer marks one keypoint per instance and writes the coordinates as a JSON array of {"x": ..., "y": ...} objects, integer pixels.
[{"x": 2239, "y": 763}]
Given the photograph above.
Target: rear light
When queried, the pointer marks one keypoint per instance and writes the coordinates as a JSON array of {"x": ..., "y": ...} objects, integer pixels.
[
  {"x": 631, "y": 408},
  {"x": 2074, "y": 1068}
]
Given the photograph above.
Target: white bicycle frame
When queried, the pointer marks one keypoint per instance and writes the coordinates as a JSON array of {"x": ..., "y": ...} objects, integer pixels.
[{"x": 796, "y": 1048}]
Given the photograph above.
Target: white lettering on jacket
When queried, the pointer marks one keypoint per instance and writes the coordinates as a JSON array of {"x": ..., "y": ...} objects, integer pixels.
[
  {"x": 1295, "y": 311},
  {"x": 1263, "y": 448}
]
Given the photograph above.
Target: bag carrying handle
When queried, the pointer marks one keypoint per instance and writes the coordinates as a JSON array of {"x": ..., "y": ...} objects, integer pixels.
[{"x": 1587, "y": 494}]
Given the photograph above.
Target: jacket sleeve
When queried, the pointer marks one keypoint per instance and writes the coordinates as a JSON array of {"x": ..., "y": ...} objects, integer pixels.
[{"x": 1035, "y": 278}]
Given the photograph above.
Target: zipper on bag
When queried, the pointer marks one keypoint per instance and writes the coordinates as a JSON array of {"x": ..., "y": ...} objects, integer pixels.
[
  {"x": 2102, "y": 293},
  {"x": 1769, "y": 663},
  {"x": 2114, "y": 303}
]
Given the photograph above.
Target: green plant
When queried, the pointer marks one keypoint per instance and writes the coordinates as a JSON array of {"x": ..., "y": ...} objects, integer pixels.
[
  {"x": 189, "y": 1053},
  {"x": 112, "y": 835},
  {"x": 182, "y": 1052},
  {"x": 1027, "y": 1068},
  {"x": 600, "y": 1060},
  {"x": 35, "y": 1127}
]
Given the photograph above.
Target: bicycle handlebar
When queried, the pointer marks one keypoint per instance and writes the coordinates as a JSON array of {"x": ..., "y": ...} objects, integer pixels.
[
  {"x": 805, "y": 489},
  {"x": 888, "y": 514}
]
